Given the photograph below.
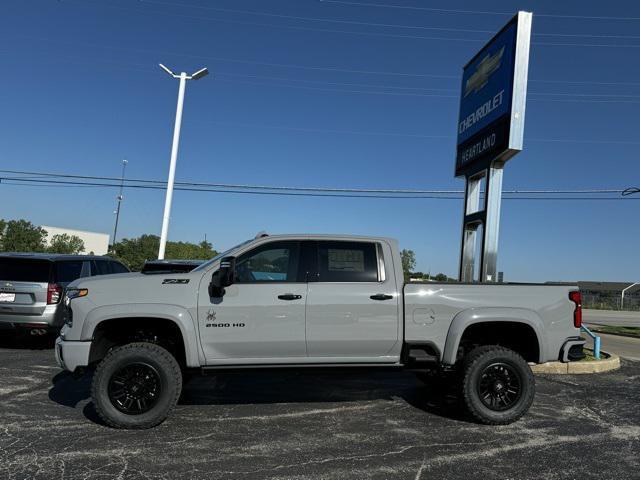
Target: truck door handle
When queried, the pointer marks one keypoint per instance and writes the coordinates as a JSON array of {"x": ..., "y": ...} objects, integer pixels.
[
  {"x": 381, "y": 296},
  {"x": 289, "y": 296}
]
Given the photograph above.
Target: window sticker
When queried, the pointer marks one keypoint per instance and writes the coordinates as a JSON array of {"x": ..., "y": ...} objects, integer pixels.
[{"x": 342, "y": 260}]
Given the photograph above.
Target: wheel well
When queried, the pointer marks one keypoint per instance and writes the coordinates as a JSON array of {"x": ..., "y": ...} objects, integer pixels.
[
  {"x": 121, "y": 331},
  {"x": 516, "y": 336}
]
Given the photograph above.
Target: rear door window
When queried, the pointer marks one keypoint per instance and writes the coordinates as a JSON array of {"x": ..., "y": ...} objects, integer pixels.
[
  {"x": 100, "y": 267},
  {"x": 347, "y": 262},
  {"x": 67, "y": 272},
  {"x": 25, "y": 270},
  {"x": 117, "y": 267}
]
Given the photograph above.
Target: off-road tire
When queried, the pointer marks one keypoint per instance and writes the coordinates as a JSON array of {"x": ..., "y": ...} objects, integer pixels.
[
  {"x": 168, "y": 373},
  {"x": 475, "y": 364}
]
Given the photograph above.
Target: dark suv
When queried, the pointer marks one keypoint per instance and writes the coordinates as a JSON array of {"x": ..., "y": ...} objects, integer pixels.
[{"x": 32, "y": 286}]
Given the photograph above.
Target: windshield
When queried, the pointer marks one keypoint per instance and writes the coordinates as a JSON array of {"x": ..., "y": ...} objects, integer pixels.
[{"x": 208, "y": 263}]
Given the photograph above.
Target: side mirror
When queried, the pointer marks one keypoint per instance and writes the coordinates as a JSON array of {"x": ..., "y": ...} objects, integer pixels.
[{"x": 223, "y": 277}]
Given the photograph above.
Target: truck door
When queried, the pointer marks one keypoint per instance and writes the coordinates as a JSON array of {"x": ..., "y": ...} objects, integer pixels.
[
  {"x": 352, "y": 306},
  {"x": 261, "y": 317}
]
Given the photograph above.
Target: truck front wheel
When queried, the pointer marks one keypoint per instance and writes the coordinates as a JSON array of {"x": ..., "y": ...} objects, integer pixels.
[
  {"x": 497, "y": 385},
  {"x": 136, "y": 386}
]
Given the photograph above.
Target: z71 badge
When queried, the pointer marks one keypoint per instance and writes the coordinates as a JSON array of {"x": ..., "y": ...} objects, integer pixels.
[{"x": 175, "y": 281}]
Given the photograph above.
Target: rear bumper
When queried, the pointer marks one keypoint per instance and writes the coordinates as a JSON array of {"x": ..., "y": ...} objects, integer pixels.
[
  {"x": 572, "y": 349},
  {"x": 71, "y": 355},
  {"x": 51, "y": 319}
]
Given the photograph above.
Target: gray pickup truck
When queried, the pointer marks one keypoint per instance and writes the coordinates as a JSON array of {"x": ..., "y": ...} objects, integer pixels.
[{"x": 296, "y": 301}]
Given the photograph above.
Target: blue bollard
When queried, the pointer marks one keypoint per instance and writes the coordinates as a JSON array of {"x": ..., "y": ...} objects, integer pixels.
[{"x": 596, "y": 342}]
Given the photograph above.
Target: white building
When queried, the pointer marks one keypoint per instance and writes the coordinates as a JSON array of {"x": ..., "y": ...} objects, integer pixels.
[{"x": 95, "y": 243}]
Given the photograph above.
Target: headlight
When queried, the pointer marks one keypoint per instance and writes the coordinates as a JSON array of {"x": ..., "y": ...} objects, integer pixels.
[
  {"x": 70, "y": 294},
  {"x": 75, "y": 293}
]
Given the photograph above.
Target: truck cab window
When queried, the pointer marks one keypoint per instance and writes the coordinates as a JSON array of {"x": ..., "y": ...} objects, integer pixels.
[
  {"x": 274, "y": 262},
  {"x": 347, "y": 262}
]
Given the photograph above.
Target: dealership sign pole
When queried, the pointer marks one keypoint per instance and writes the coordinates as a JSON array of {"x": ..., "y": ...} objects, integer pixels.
[{"x": 490, "y": 132}]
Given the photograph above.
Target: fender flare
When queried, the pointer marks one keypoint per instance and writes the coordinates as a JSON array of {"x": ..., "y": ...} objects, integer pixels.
[
  {"x": 471, "y": 316},
  {"x": 178, "y": 315}
]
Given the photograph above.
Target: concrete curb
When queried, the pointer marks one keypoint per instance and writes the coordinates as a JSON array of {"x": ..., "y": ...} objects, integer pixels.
[{"x": 612, "y": 362}]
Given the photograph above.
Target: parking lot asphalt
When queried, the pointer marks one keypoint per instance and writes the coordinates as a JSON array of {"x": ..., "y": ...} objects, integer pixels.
[{"x": 324, "y": 426}]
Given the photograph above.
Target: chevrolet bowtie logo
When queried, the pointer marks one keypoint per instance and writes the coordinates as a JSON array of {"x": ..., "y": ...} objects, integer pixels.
[{"x": 487, "y": 66}]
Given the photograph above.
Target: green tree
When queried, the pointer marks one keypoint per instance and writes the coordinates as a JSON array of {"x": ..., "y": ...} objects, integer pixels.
[
  {"x": 21, "y": 236},
  {"x": 65, "y": 243},
  {"x": 441, "y": 277},
  {"x": 408, "y": 263},
  {"x": 135, "y": 251},
  {"x": 186, "y": 250}
]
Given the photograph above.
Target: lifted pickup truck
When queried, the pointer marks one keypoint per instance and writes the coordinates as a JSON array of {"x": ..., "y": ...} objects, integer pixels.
[{"x": 296, "y": 301}]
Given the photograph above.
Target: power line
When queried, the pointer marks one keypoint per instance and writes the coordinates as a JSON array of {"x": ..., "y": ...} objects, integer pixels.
[
  {"x": 351, "y": 32},
  {"x": 415, "y": 135},
  {"x": 345, "y": 84},
  {"x": 338, "y": 90},
  {"x": 373, "y": 24},
  {"x": 429, "y": 95},
  {"x": 31, "y": 177},
  {"x": 48, "y": 183},
  {"x": 474, "y": 12},
  {"x": 396, "y": 87},
  {"x": 308, "y": 67},
  {"x": 326, "y": 130},
  {"x": 138, "y": 66}
]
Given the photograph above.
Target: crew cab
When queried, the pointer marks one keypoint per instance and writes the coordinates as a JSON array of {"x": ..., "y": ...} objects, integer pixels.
[{"x": 299, "y": 301}]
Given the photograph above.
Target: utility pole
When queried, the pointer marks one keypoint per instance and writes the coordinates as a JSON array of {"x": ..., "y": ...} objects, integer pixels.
[
  {"x": 117, "y": 211},
  {"x": 183, "y": 77}
]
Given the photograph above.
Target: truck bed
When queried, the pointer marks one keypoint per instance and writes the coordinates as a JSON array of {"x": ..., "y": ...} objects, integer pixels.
[{"x": 435, "y": 312}]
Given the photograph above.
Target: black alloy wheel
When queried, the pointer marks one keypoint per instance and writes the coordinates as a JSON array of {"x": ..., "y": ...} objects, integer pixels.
[
  {"x": 135, "y": 388},
  {"x": 499, "y": 386},
  {"x": 136, "y": 385}
]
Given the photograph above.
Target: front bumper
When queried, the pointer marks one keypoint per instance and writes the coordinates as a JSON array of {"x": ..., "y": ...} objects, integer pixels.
[{"x": 71, "y": 355}]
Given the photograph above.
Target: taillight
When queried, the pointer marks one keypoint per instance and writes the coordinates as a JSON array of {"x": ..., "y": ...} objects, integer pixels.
[
  {"x": 576, "y": 298},
  {"x": 54, "y": 293}
]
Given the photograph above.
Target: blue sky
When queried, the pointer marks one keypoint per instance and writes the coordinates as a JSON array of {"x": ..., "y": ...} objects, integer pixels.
[{"x": 301, "y": 102}]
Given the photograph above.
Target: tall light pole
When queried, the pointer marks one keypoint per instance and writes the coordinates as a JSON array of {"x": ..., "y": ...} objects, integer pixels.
[
  {"x": 624, "y": 290},
  {"x": 183, "y": 77},
  {"x": 119, "y": 198}
]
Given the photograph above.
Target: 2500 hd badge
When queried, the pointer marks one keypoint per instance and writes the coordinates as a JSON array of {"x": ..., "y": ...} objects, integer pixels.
[{"x": 211, "y": 317}]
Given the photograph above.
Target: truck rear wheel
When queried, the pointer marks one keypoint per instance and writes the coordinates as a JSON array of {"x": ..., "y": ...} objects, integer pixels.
[
  {"x": 136, "y": 386},
  {"x": 497, "y": 385}
]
